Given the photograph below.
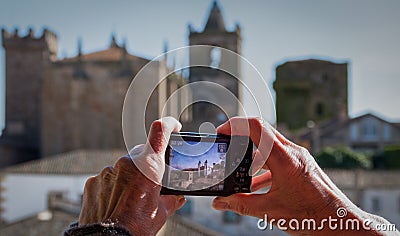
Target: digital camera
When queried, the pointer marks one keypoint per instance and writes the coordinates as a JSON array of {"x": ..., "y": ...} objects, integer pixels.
[{"x": 207, "y": 165}]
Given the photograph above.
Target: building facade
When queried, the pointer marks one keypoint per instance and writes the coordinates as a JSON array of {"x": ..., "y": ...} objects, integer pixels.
[
  {"x": 310, "y": 91},
  {"x": 57, "y": 105},
  {"x": 365, "y": 133},
  {"x": 312, "y": 109},
  {"x": 25, "y": 60},
  {"x": 215, "y": 34}
]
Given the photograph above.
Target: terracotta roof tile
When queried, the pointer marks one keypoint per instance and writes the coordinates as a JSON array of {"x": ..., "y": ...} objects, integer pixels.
[
  {"x": 109, "y": 54},
  {"x": 74, "y": 162},
  {"x": 34, "y": 226}
]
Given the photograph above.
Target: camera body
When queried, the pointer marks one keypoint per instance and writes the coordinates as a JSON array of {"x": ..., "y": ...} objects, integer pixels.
[{"x": 207, "y": 165}]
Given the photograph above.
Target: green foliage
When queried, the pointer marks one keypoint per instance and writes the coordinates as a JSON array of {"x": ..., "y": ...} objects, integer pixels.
[
  {"x": 391, "y": 157},
  {"x": 343, "y": 158}
]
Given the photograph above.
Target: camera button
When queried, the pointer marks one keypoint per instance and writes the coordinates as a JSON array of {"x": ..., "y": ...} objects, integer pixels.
[
  {"x": 236, "y": 188},
  {"x": 242, "y": 169}
]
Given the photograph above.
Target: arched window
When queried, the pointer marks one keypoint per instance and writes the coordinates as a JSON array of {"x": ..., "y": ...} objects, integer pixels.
[
  {"x": 319, "y": 109},
  {"x": 215, "y": 56}
]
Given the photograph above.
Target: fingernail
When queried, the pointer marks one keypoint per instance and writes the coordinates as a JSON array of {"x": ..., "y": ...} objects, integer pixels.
[{"x": 180, "y": 200}]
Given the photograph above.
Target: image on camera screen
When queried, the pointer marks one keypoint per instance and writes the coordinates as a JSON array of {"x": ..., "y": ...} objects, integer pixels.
[{"x": 196, "y": 165}]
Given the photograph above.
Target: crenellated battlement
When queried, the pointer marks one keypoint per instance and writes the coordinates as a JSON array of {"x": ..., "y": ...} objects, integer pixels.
[
  {"x": 30, "y": 35},
  {"x": 46, "y": 41}
]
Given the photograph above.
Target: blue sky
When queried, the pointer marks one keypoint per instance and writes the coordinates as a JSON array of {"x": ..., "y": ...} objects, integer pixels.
[
  {"x": 364, "y": 33},
  {"x": 182, "y": 161}
]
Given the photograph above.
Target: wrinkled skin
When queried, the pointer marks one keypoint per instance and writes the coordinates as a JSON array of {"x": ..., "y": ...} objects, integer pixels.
[
  {"x": 299, "y": 189},
  {"x": 124, "y": 196}
]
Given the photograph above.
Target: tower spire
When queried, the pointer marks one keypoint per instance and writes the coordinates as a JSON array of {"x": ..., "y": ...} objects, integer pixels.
[
  {"x": 79, "y": 47},
  {"x": 113, "y": 41},
  {"x": 165, "y": 50},
  {"x": 124, "y": 43},
  {"x": 215, "y": 20}
]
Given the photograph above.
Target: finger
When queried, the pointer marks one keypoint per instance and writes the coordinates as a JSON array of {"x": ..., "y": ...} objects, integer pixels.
[
  {"x": 151, "y": 160},
  {"x": 261, "y": 181},
  {"x": 281, "y": 138},
  {"x": 172, "y": 203},
  {"x": 243, "y": 204},
  {"x": 160, "y": 132},
  {"x": 89, "y": 212},
  {"x": 258, "y": 163},
  {"x": 106, "y": 198},
  {"x": 263, "y": 136}
]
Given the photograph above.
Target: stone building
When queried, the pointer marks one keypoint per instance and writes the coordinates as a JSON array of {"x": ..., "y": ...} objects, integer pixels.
[
  {"x": 26, "y": 58},
  {"x": 312, "y": 109},
  {"x": 216, "y": 34},
  {"x": 310, "y": 91},
  {"x": 57, "y": 105},
  {"x": 366, "y": 133}
]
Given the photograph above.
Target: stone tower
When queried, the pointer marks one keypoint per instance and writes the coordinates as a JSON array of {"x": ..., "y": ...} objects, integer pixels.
[
  {"x": 310, "y": 90},
  {"x": 26, "y": 58},
  {"x": 215, "y": 33}
]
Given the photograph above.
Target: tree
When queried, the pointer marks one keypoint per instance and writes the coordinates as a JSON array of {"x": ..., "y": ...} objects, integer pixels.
[
  {"x": 343, "y": 158},
  {"x": 390, "y": 159}
]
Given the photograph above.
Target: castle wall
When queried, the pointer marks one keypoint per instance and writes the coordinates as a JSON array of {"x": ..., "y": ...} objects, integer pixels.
[
  {"x": 310, "y": 90},
  {"x": 84, "y": 112},
  {"x": 207, "y": 112},
  {"x": 26, "y": 57},
  {"x": 54, "y": 106}
]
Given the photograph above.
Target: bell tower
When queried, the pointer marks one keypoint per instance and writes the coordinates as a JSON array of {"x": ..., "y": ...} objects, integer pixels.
[
  {"x": 215, "y": 33},
  {"x": 26, "y": 58}
]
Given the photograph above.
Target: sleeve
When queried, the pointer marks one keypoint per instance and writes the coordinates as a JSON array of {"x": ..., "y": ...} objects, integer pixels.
[{"x": 96, "y": 230}]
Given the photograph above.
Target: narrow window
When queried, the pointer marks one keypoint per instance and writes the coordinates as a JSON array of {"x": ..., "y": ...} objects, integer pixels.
[
  {"x": 354, "y": 132},
  {"x": 376, "y": 205},
  {"x": 386, "y": 132},
  {"x": 370, "y": 130},
  {"x": 319, "y": 109},
  {"x": 215, "y": 56}
]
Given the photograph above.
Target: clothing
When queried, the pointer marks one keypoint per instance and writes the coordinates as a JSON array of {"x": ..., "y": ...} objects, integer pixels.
[{"x": 96, "y": 230}]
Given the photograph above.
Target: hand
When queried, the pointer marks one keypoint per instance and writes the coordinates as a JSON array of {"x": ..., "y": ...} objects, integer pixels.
[
  {"x": 299, "y": 188},
  {"x": 124, "y": 196}
]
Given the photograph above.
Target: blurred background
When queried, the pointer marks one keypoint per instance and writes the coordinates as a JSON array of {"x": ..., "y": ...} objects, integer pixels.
[{"x": 332, "y": 69}]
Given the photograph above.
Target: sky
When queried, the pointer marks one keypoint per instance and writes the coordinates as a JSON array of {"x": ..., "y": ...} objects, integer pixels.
[
  {"x": 182, "y": 160},
  {"x": 364, "y": 33}
]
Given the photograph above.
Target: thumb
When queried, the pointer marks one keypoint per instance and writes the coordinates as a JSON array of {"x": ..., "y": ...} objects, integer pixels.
[
  {"x": 159, "y": 134},
  {"x": 243, "y": 204},
  {"x": 149, "y": 158}
]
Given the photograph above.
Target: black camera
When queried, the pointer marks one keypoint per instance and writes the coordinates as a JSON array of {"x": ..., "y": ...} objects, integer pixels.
[{"x": 207, "y": 165}]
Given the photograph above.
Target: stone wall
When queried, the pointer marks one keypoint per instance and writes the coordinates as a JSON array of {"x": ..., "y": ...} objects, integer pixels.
[
  {"x": 84, "y": 112},
  {"x": 310, "y": 90}
]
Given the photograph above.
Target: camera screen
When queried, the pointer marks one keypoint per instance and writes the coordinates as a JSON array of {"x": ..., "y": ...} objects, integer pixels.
[{"x": 197, "y": 165}]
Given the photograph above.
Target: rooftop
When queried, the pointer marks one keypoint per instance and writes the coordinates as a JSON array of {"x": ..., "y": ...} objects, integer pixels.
[
  {"x": 114, "y": 52},
  {"x": 44, "y": 223},
  {"x": 69, "y": 163}
]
